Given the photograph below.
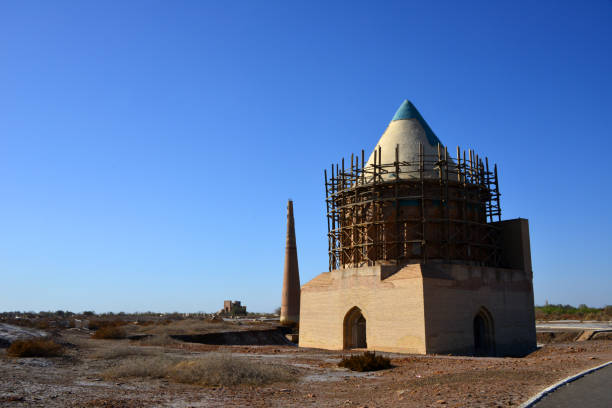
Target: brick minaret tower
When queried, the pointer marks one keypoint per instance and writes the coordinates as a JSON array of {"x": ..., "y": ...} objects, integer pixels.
[{"x": 290, "y": 303}]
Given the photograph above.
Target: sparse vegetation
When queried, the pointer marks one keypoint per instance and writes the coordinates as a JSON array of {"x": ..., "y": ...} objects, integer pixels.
[
  {"x": 211, "y": 369},
  {"x": 35, "y": 348},
  {"x": 62, "y": 319},
  {"x": 223, "y": 369},
  {"x": 158, "y": 340},
  {"x": 96, "y": 324},
  {"x": 109, "y": 332},
  {"x": 568, "y": 312},
  {"x": 143, "y": 367},
  {"x": 368, "y": 361},
  {"x": 122, "y": 352},
  {"x": 187, "y": 326}
]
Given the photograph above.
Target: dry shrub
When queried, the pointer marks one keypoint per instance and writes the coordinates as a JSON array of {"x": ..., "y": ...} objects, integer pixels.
[
  {"x": 101, "y": 323},
  {"x": 35, "y": 348},
  {"x": 368, "y": 361},
  {"x": 151, "y": 367},
  {"x": 223, "y": 369},
  {"x": 109, "y": 332},
  {"x": 158, "y": 340},
  {"x": 211, "y": 369}
]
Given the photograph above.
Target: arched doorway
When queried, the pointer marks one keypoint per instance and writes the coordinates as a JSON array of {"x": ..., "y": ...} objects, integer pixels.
[
  {"x": 355, "y": 329},
  {"x": 484, "y": 334}
]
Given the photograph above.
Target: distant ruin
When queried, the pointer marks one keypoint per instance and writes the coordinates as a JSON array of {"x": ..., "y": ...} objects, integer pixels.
[
  {"x": 419, "y": 258},
  {"x": 233, "y": 308}
]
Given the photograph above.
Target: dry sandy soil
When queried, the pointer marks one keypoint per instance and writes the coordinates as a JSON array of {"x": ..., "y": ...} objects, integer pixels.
[{"x": 76, "y": 379}]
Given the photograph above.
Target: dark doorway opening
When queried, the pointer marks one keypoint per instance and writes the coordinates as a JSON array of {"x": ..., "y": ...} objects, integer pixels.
[
  {"x": 355, "y": 329},
  {"x": 484, "y": 334}
]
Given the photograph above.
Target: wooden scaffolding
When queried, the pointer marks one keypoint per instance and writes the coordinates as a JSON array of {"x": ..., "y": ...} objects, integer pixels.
[{"x": 437, "y": 207}]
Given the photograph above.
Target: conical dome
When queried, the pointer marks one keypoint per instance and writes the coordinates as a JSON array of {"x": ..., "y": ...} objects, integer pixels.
[{"x": 407, "y": 129}]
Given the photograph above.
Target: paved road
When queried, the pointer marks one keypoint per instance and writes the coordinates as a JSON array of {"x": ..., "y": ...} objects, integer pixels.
[
  {"x": 591, "y": 391},
  {"x": 573, "y": 325}
]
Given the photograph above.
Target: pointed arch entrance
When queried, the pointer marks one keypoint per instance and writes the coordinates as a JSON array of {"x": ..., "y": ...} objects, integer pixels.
[
  {"x": 484, "y": 333},
  {"x": 355, "y": 329}
]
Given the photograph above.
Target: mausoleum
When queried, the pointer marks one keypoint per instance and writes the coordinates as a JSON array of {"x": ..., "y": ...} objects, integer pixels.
[{"x": 420, "y": 260}]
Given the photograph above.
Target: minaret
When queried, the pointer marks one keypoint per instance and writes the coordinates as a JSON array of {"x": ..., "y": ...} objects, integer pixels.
[{"x": 290, "y": 303}]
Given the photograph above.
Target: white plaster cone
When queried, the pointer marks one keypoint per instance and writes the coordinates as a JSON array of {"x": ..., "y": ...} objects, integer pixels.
[{"x": 407, "y": 130}]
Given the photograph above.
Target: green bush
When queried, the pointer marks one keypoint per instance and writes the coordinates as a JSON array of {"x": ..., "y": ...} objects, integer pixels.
[
  {"x": 368, "y": 361},
  {"x": 35, "y": 348},
  {"x": 564, "y": 312}
]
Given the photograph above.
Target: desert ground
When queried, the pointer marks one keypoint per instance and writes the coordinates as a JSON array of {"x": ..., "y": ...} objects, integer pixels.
[{"x": 166, "y": 365}]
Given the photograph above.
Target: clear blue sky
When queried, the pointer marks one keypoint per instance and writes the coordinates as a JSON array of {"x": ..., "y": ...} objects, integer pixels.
[{"x": 148, "y": 148}]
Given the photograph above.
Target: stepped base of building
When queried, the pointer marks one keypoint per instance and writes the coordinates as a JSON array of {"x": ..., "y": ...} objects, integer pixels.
[{"x": 433, "y": 308}]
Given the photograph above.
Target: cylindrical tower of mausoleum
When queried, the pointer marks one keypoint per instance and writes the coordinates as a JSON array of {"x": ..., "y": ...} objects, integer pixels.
[{"x": 411, "y": 202}]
